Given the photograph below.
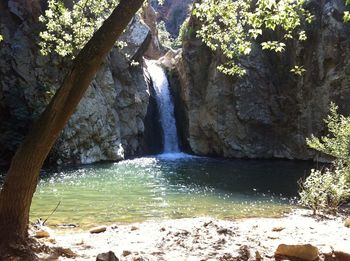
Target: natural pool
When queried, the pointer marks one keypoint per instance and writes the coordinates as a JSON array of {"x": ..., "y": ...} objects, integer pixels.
[{"x": 162, "y": 187}]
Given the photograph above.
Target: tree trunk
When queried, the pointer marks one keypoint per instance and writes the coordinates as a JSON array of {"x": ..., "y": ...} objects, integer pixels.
[{"x": 22, "y": 176}]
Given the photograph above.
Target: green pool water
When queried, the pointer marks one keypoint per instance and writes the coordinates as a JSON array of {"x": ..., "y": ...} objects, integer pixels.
[{"x": 155, "y": 188}]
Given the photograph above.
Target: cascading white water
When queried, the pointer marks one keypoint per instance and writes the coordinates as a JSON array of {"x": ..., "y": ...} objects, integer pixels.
[{"x": 165, "y": 106}]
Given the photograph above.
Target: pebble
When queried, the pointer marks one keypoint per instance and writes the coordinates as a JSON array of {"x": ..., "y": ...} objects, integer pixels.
[
  {"x": 126, "y": 253},
  {"x": 133, "y": 228},
  {"x": 41, "y": 234},
  {"x": 97, "y": 230},
  {"x": 278, "y": 229}
]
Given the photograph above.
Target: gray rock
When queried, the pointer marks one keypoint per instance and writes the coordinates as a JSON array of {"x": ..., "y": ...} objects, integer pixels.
[
  {"x": 269, "y": 112},
  {"x": 97, "y": 230},
  {"x": 109, "y": 121},
  {"x": 109, "y": 256}
]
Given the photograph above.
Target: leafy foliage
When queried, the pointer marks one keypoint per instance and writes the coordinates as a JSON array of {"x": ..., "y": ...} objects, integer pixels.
[
  {"x": 327, "y": 189},
  {"x": 337, "y": 142},
  {"x": 347, "y": 13},
  {"x": 298, "y": 70},
  {"x": 163, "y": 35},
  {"x": 69, "y": 29},
  {"x": 184, "y": 32},
  {"x": 231, "y": 26}
]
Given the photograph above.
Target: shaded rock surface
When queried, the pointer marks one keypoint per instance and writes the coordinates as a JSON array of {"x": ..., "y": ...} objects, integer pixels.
[
  {"x": 269, "y": 112},
  {"x": 173, "y": 13},
  {"x": 109, "y": 122}
]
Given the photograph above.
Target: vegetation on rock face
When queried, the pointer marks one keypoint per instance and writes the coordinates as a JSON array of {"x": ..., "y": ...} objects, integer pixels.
[
  {"x": 232, "y": 26},
  {"x": 163, "y": 35},
  {"x": 184, "y": 32},
  {"x": 329, "y": 188},
  {"x": 166, "y": 39}
]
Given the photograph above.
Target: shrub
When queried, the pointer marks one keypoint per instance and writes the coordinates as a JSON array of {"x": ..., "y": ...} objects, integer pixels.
[
  {"x": 327, "y": 189},
  {"x": 324, "y": 190}
]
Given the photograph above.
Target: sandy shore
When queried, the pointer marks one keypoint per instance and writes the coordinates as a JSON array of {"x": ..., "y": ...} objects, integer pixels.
[{"x": 206, "y": 238}]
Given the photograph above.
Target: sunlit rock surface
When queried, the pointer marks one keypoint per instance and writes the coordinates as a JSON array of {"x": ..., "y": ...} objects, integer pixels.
[
  {"x": 109, "y": 121},
  {"x": 155, "y": 49}
]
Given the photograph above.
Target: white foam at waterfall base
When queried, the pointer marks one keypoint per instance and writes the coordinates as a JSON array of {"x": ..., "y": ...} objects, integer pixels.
[
  {"x": 165, "y": 107},
  {"x": 175, "y": 156}
]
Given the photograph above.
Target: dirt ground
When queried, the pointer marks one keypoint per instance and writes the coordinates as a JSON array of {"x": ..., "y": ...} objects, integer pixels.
[{"x": 205, "y": 238}]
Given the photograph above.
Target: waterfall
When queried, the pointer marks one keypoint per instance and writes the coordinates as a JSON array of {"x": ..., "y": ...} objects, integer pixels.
[{"x": 165, "y": 106}]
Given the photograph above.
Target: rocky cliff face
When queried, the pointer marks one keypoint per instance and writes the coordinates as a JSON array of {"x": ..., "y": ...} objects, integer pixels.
[
  {"x": 110, "y": 119},
  {"x": 269, "y": 112},
  {"x": 155, "y": 49},
  {"x": 173, "y": 13}
]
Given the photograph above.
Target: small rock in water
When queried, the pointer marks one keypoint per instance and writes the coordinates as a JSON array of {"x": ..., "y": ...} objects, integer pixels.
[
  {"x": 41, "y": 234},
  {"x": 304, "y": 252},
  {"x": 97, "y": 230},
  {"x": 347, "y": 223},
  {"x": 109, "y": 256}
]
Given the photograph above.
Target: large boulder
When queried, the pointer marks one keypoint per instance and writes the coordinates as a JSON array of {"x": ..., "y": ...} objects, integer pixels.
[{"x": 302, "y": 252}]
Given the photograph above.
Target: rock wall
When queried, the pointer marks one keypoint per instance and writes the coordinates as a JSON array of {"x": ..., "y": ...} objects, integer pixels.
[
  {"x": 269, "y": 112},
  {"x": 155, "y": 49},
  {"x": 109, "y": 122},
  {"x": 173, "y": 13}
]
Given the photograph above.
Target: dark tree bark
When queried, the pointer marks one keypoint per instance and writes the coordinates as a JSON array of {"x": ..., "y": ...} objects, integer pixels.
[{"x": 22, "y": 176}]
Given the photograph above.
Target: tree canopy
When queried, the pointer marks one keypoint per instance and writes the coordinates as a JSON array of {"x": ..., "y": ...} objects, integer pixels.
[{"x": 68, "y": 29}]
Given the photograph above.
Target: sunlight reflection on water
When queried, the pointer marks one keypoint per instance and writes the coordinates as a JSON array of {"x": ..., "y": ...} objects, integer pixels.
[{"x": 167, "y": 186}]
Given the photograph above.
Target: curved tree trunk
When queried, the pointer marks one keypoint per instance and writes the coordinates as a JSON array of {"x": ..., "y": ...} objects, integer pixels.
[{"x": 22, "y": 177}]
